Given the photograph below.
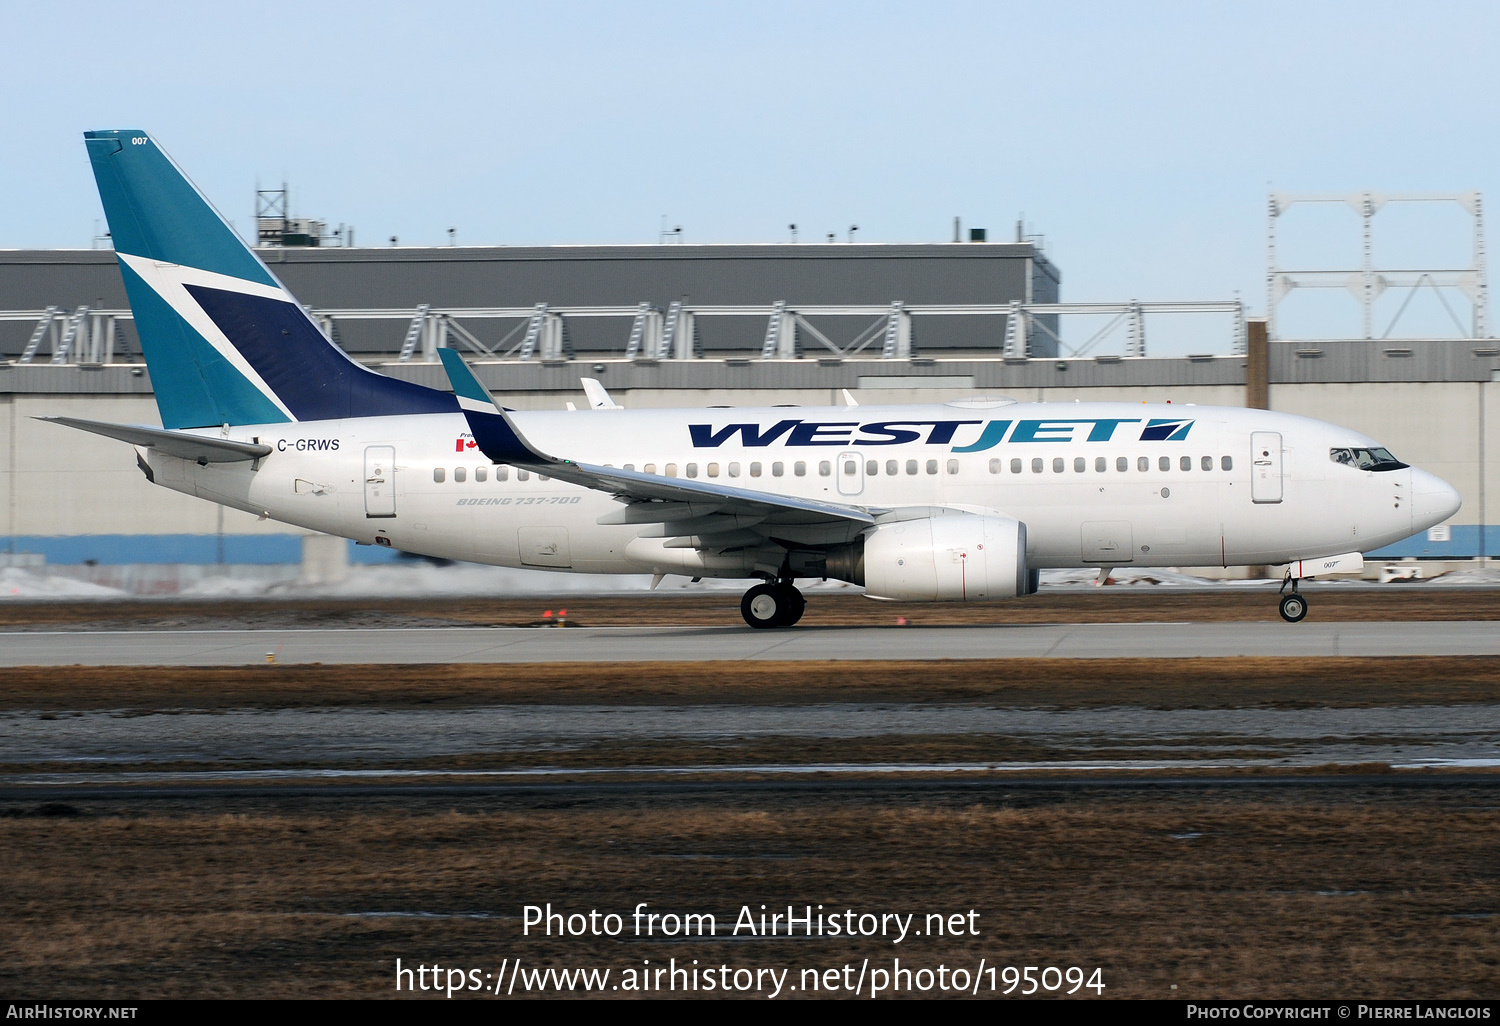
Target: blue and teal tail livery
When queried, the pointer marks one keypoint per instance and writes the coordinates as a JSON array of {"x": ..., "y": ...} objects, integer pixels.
[
  {"x": 225, "y": 342},
  {"x": 467, "y": 389}
]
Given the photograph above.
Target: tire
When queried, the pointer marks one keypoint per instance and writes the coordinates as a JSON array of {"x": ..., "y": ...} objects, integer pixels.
[
  {"x": 1293, "y": 608},
  {"x": 796, "y": 605},
  {"x": 764, "y": 606}
]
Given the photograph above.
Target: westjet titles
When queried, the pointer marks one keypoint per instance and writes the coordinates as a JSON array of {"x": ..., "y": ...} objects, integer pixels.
[{"x": 794, "y": 432}]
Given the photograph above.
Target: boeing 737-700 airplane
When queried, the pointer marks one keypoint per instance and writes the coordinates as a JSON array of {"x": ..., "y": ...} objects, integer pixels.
[{"x": 962, "y": 501}]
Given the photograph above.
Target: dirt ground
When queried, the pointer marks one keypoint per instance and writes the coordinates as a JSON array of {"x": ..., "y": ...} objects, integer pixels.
[
  {"x": 1293, "y": 894},
  {"x": 1235, "y": 683},
  {"x": 1120, "y": 604}
]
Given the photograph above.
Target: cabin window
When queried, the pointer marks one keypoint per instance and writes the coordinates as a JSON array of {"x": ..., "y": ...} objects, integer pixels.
[
  {"x": 713, "y": 470},
  {"x": 777, "y": 469},
  {"x": 953, "y": 466},
  {"x": 892, "y": 467},
  {"x": 1058, "y": 463},
  {"x": 911, "y": 466},
  {"x": 755, "y": 470},
  {"x": 851, "y": 468},
  {"x": 872, "y": 467},
  {"x": 1226, "y": 462},
  {"x": 630, "y": 467},
  {"x": 1079, "y": 464},
  {"x": 1207, "y": 463},
  {"x": 799, "y": 468},
  {"x": 523, "y": 475},
  {"x": 649, "y": 468},
  {"x": 1122, "y": 463},
  {"x": 543, "y": 477},
  {"x": 734, "y": 470},
  {"x": 503, "y": 473},
  {"x": 995, "y": 466},
  {"x": 671, "y": 470},
  {"x": 692, "y": 470},
  {"x": 1100, "y": 464},
  {"x": 480, "y": 474},
  {"x": 459, "y": 474},
  {"x": 1036, "y": 465},
  {"x": 825, "y": 469},
  {"x": 437, "y": 474},
  {"x": 1164, "y": 463},
  {"x": 1186, "y": 463},
  {"x": 1143, "y": 463},
  {"x": 1015, "y": 466},
  {"x": 932, "y": 466}
]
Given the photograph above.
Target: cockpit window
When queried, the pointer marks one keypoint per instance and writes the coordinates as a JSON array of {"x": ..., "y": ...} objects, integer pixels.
[{"x": 1366, "y": 459}]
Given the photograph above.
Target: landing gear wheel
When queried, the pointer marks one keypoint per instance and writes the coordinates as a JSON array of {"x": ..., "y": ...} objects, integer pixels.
[
  {"x": 772, "y": 605},
  {"x": 764, "y": 606},
  {"x": 1293, "y": 607},
  {"x": 796, "y": 605}
]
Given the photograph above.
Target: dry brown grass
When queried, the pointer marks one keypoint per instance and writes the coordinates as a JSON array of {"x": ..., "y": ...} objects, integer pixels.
[
  {"x": 1293, "y": 897},
  {"x": 1060, "y": 683},
  {"x": 1122, "y": 604}
]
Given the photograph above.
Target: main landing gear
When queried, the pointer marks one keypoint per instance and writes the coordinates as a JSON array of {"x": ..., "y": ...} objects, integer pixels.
[
  {"x": 773, "y": 605},
  {"x": 1293, "y": 604}
]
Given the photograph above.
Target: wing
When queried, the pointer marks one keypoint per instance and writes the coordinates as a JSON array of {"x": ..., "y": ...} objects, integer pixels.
[{"x": 691, "y": 513}]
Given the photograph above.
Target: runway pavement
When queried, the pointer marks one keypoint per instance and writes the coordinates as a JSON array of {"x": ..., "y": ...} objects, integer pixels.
[{"x": 636, "y": 644}]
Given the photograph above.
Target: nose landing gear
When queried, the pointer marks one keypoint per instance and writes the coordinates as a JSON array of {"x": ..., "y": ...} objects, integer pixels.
[
  {"x": 773, "y": 605},
  {"x": 1293, "y": 604}
]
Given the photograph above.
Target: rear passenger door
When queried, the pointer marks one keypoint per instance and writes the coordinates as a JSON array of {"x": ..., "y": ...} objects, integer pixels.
[{"x": 380, "y": 481}]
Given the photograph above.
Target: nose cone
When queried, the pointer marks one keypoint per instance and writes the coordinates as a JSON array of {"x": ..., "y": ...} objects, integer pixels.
[{"x": 1433, "y": 500}]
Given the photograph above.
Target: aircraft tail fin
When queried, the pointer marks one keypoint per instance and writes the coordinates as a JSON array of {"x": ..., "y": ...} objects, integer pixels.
[{"x": 225, "y": 342}]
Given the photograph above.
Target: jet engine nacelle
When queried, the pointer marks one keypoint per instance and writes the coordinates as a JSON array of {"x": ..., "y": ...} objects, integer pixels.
[{"x": 961, "y": 557}]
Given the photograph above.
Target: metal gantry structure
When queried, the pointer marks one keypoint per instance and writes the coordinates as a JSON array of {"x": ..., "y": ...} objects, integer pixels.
[
  {"x": 83, "y": 336},
  {"x": 540, "y": 332},
  {"x": 1368, "y": 282}
]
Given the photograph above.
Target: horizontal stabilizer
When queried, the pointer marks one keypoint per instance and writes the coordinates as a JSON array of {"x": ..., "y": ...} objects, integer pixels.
[{"x": 181, "y": 444}]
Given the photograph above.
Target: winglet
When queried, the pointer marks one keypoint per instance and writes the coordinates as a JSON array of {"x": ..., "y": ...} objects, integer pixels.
[
  {"x": 471, "y": 393},
  {"x": 494, "y": 432}
]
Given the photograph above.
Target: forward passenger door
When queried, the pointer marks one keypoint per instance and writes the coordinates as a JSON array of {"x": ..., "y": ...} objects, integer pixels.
[{"x": 1265, "y": 466}]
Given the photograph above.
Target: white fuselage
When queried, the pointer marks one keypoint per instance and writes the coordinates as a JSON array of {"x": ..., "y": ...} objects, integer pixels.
[{"x": 1234, "y": 487}]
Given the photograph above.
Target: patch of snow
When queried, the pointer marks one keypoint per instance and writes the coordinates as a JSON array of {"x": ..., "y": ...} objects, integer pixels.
[{"x": 28, "y": 585}]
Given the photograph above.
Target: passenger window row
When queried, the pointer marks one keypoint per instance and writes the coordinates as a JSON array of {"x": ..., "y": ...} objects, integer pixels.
[
  {"x": 461, "y": 474},
  {"x": 778, "y": 469},
  {"x": 1101, "y": 464},
  {"x": 873, "y": 468},
  {"x": 913, "y": 467}
]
